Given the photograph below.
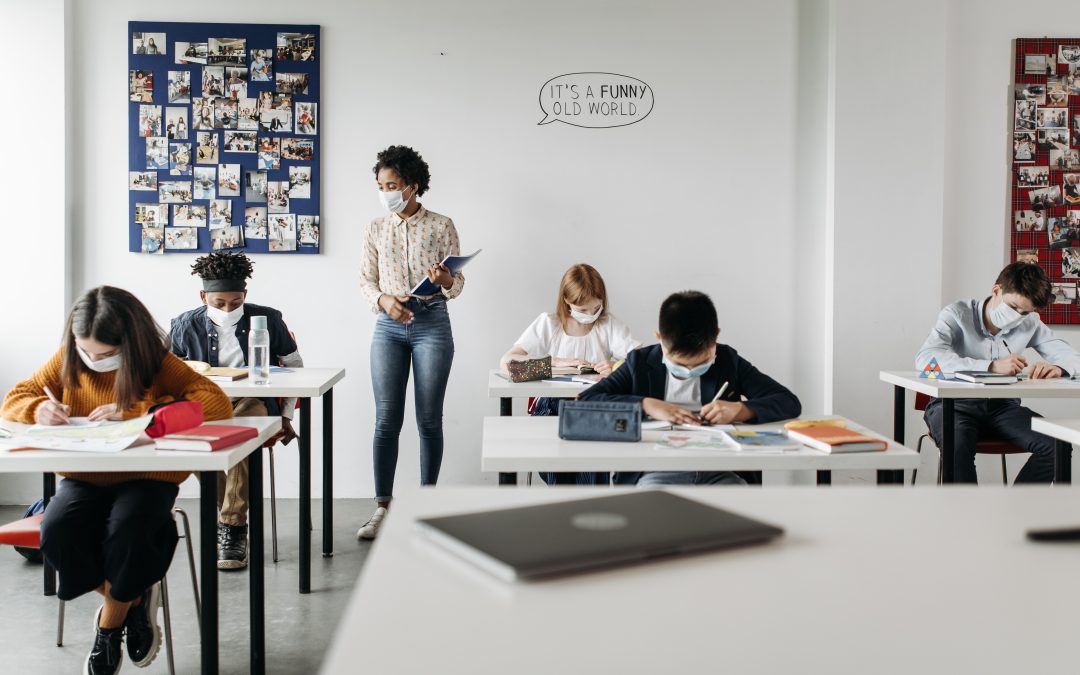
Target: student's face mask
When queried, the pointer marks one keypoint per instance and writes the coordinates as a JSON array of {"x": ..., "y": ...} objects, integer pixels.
[
  {"x": 222, "y": 318},
  {"x": 582, "y": 317},
  {"x": 394, "y": 202},
  {"x": 105, "y": 365},
  {"x": 684, "y": 373},
  {"x": 1005, "y": 317}
]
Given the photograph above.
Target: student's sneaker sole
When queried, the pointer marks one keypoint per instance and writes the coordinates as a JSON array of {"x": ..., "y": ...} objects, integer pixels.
[
  {"x": 86, "y": 661},
  {"x": 232, "y": 565},
  {"x": 152, "y": 611}
]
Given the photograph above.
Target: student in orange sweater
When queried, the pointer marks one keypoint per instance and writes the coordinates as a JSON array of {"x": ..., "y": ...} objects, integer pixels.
[{"x": 112, "y": 532}]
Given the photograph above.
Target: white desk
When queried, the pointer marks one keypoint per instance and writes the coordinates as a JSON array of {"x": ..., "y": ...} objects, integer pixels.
[
  {"x": 207, "y": 464},
  {"x": 503, "y": 389},
  {"x": 948, "y": 392},
  {"x": 890, "y": 582},
  {"x": 1063, "y": 430},
  {"x": 506, "y": 391},
  {"x": 304, "y": 384},
  {"x": 512, "y": 444}
]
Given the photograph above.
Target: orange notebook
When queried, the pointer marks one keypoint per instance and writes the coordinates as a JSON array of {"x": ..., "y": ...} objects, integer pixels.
[{"x": 836, "y": 439}]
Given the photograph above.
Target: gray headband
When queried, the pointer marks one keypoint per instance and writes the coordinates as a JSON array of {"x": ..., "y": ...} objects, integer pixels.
[{"x": 223, "y": 285}]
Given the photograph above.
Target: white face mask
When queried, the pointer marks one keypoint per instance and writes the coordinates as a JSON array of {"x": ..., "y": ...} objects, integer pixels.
[
  {"x": 222, "y": 318},
  {"x": 1005, "y": 317},
  {"x": 394, "y": 202},
  {"x": 105, "y": 365},
  {"x": 582, "y": 317}
]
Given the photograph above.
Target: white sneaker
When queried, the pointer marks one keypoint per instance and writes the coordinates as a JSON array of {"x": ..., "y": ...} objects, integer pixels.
[{"x": 371, "y": 527}]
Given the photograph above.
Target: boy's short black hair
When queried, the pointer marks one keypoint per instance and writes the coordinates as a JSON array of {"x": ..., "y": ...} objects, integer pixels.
[
  {"x": 688, "y": 323},
  {"x": 1026, "y": 279},
  {"x": 223, "y": 271},
  {"x": 407, "y": 163}
]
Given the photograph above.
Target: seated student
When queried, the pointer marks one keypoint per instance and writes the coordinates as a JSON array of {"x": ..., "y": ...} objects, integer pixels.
[
  {"x": 992, "y": 334},
  {"x": 112, "y": 532},
  {"x": 580, "y": 332},
  {"x": 678, "y": 379},
  {"x": 217, "y": 333}
]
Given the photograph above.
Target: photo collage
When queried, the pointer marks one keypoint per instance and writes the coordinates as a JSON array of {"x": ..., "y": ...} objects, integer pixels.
[
  {"x": 1045, "y": 207},
  {"x": 224, "y": 142}
]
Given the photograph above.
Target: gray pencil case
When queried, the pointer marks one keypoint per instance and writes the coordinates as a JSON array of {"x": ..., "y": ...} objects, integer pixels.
[{"x": 599, "y": 421}]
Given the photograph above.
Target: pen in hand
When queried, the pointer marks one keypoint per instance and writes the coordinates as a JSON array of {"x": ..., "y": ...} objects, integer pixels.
[
  {"x": 64, "y": 410},
  {"x": 721, "y": 392}
]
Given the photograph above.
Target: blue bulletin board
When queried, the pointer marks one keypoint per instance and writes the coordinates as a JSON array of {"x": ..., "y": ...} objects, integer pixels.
[{"x": 223, "y": 124}]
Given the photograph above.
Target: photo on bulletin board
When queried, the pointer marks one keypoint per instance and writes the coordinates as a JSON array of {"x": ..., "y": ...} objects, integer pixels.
[
  {"x": 1044, "y": 215},
  {"x": 224, "y": 140}
]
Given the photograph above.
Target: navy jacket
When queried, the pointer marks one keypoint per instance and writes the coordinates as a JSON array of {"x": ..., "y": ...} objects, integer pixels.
[
  {"x": 645, "y": 376},
  {"x": 194, "y": 337}
]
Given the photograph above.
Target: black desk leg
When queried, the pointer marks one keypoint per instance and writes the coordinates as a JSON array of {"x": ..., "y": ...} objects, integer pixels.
[
  {"x": 256, "y": 571},
  {"x": 948, "y": 435},
  {"x": 48, "y": 489},
  {"x": 305, "y": 495},
  {"x": 1063, "y": 463},
  {"x": 506, "y": 409},
  {"x": 208, "y": 516},
  {"x": 328, "y": 473},
  {"x": 824, "y": 477},
  {"x": 898, "y": 411},
  {"x": 899, "y": 400},
  {"x": 890, "y": 477}
]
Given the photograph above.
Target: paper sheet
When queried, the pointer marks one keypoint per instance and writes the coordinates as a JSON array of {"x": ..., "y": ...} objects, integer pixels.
[{"x": 85, "y": 437}]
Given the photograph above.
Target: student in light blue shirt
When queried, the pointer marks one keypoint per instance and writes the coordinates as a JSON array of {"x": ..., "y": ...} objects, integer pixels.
[{"x": 992, "y": 334}]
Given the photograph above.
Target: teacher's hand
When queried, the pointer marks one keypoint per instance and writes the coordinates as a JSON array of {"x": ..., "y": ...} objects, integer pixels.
[
  {"x": 395, "y": 309},
  {"x": 440, "y": 274}
]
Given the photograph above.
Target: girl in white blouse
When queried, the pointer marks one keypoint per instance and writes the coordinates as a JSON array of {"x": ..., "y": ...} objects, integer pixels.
[{"x": 580, "y": 332}]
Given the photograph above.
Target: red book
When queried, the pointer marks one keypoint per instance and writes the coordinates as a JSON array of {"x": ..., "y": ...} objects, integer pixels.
[{"x": 206, "y": 438}]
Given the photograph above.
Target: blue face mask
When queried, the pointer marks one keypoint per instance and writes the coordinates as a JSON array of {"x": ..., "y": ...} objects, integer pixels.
[{"x": 684, "y": 373}]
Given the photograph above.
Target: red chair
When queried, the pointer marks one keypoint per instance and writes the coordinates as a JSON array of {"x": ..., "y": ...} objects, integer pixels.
[
  {"x": 987, "y": 446},
  {"x": 27, "y": 534}
]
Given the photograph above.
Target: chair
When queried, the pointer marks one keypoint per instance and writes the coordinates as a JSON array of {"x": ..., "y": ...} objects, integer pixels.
[
  {"x": 986, "y": 446},
  {"x": 27, "y": 533}
]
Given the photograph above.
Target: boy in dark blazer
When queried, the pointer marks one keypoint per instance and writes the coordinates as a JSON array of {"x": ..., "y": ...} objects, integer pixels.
[{"x": 678, "y": 379}]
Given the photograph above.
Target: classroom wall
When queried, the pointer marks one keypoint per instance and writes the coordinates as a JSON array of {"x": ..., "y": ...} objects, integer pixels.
[
  {"x": 34, "y": 188},
  {"x": 698, "y": 195},
  {"x": 888, "y": 196}
]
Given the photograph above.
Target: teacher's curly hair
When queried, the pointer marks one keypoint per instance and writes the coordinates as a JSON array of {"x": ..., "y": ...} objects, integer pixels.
[
  {"x": 223, "y": 265},
  {"x": 408, "y": 164}
]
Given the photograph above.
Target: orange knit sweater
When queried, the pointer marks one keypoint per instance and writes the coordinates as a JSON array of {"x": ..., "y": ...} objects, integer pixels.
[{"x": 174, "y": 382}]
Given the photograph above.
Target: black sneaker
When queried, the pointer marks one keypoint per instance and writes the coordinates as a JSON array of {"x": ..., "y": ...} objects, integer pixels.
[
  {"x": 106, "y": 655},
  {"x": 142, "y": 633},
  {"x": 231, "y": 546}
]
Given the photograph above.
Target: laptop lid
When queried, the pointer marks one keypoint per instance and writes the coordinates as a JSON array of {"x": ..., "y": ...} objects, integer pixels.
[{"x": 556, "y": 538}]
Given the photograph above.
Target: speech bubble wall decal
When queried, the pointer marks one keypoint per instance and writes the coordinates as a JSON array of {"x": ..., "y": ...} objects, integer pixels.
[{"x": 595, "y": 100}]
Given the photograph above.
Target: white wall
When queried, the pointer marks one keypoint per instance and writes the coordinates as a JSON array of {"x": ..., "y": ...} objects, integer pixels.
[
  {"x": 34, "y": 192},
  {"x": 696, "y": 196},
  {"x": 889, "y": 104}
]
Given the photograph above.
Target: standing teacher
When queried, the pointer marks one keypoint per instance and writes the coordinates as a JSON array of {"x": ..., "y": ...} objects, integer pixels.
[{"x": 400, "y": 250}]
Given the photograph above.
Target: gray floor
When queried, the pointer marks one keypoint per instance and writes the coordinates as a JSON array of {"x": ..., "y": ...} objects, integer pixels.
[{"x": 298, "y": 628}]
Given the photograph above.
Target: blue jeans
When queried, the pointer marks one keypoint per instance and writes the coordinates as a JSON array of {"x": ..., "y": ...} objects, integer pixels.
[
  {"x": 657, "y": 478},
  {"x": 975, "y": 419},
  {"x": 427, "y": 344}
]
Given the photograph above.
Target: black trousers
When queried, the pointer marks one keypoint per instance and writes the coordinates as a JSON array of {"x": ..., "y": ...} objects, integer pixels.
[
  {"x": 999, "y": 419},
  {"x": 124, "y": 533}
]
